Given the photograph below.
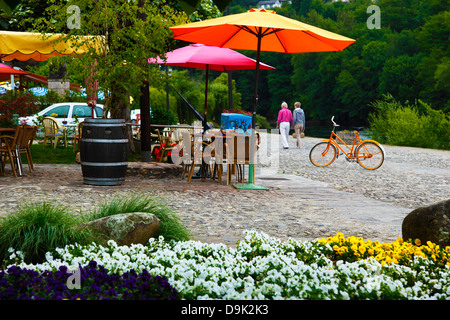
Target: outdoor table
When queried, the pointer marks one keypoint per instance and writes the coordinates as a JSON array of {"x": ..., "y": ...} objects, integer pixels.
[
  {"x": 174, "y": 126},
  {"x": 206, "y": 139}
]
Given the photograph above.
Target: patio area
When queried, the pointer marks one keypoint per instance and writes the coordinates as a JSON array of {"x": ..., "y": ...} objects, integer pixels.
[{"x": 303, "y": 201}]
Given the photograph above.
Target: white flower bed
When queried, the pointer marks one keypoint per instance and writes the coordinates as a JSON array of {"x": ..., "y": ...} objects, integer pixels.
[{"x": 259, "y": 268}]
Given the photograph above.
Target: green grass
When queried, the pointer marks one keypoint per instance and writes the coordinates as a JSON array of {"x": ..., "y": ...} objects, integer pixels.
[
  {"x": 59, "y": 155},
  {"x": 49, "y": 155}
]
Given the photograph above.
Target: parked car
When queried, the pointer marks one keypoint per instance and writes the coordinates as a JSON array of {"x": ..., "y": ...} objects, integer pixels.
[
  {"x": 135, "y": 115},
  {"x": 65, "y": 113}
]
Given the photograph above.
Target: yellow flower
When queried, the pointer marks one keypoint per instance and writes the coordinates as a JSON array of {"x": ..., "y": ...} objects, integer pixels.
[
  {"x": 362, "y": 249},
  {"x": 417, "y": 242}
]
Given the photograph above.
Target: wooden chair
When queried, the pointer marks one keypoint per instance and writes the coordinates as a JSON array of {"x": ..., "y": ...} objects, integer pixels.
[
  {"x": 24, "y": 143},
  {"x": 8, "y": 149},
  {"x": 215, "y": 154},
  {"x": 77, "y": 136},
  {"x": 53, "y": 132},
  {"x": 238, "y": 154},
  {"x": 177, "y": 133},
  {"x": 191, "y": 149},
  {"x": 165, "y": 144}
]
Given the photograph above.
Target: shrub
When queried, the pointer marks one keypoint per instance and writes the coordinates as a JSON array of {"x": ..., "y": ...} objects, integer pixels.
[
  {"x": 262, "y": 122},
  {"x": 416, "y": 126},
  {"x": 162, "y": 116},
  {"x": 16, "y": 102},
  {"x": 95, "y": 284},
  {"x": 171, "y": 226},
  {"x": 39, "y": 228}
]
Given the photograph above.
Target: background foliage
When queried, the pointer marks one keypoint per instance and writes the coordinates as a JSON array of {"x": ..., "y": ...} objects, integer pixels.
[
  {"x": 407, "y": 58},
  {"x": 416, "y": 125}
]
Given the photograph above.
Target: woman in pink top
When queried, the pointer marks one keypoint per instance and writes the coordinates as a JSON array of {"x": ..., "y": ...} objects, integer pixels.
[{"x": 284, "y": 122}]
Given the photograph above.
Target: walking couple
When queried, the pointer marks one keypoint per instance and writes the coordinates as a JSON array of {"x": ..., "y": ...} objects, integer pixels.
[{"x": 288, "y": 120}]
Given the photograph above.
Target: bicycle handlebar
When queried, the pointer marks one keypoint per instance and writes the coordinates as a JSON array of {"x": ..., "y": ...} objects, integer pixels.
[{"x": 334, "y": 123}]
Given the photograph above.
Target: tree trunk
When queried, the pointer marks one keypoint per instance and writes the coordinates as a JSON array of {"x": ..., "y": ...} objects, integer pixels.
[
  {"x": 145, "y": 122},
  {"x": 120, "y": 109}
]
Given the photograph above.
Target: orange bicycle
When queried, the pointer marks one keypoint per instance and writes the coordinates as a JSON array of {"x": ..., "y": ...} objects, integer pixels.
[{"x": 368, "y": 153}]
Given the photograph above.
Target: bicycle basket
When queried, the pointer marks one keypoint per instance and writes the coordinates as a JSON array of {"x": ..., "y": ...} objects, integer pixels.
[{"x": 346, "y": 136}]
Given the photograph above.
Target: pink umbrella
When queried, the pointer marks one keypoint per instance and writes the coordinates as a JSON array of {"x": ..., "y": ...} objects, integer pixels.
[{"x": 200, "y": 56}]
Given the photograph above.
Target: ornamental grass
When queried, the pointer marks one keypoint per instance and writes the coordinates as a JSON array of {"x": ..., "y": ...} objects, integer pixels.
[{"x": 37, "y": 228}]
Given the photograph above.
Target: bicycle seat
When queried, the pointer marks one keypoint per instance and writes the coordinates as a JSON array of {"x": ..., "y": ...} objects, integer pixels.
[{"x": 358, "y": 128}]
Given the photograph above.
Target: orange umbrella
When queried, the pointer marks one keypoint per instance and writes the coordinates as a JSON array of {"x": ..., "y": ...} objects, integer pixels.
[{"x": 261, "y": 30}]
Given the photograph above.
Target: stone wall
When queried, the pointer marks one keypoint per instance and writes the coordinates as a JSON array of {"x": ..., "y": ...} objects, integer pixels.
[{"x": 59, "y": 85}]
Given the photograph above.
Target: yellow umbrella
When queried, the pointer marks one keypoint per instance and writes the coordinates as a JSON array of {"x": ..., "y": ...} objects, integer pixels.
[
  {"x": 260, "y": 30},
  {"x": 24, "y": 46}
]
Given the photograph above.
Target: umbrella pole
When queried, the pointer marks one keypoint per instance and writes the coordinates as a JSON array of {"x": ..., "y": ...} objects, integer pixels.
[
  {"x": 202, "y": 172},
  {"x": 203, "y": 167},
  {"x": 250, "y": 185},
  {"x": 206, "y": 100}
]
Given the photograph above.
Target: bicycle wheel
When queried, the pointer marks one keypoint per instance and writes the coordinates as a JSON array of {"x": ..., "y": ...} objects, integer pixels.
[
  {"x": 370, "y": 155},
  {"x": 322, "y": 154}
]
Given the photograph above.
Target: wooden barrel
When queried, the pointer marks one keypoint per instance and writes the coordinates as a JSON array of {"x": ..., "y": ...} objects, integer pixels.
[{"x": 104, "y": 151}]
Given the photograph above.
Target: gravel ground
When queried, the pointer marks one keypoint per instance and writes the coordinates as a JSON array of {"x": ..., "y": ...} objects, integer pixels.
[{"x": 409, "y": 177}]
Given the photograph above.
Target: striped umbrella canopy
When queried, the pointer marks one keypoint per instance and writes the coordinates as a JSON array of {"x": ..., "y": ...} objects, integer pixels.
[
  {"x": 82, "y": 93},
  {"x": 3, "y": 90},
  {"x": 38, "y": 91}
]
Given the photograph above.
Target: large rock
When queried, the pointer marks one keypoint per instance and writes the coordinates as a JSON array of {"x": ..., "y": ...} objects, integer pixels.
[
  {"x": 126, "y": 228},
  {"x": 431, "y": 223}
]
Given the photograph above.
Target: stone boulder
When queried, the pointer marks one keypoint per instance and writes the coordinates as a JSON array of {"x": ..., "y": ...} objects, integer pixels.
[
  {"x": 430, "y": 223},
  {"x": 126, "y": 228}
]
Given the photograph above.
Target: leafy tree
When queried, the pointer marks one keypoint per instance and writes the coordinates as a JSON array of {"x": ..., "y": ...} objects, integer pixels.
[
  {"x": 131, "y": 31},
  {"x": 192, "y": 5},
  {"x": 398, "y": 77}
]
